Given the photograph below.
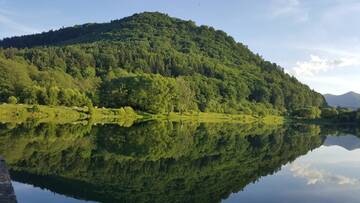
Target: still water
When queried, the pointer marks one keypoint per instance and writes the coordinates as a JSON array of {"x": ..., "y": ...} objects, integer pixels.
[{"x": 182, "y": 162}]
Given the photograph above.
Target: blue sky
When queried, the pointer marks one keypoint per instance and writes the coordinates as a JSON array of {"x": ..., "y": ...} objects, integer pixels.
[{"x": 317, "y": 41}]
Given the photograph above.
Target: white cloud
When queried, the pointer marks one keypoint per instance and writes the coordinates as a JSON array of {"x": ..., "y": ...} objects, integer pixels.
[
  {"x": 315, "y": 176},
  {"x": 318, "y": 64},
  {"x": 6, "y": 21},
  {"x": 333, "y": 84}
]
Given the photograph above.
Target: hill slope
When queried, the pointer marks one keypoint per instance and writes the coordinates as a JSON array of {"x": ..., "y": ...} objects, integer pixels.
[
  {"x": 348, "y": 100},
  {"x": 151, "y": 62}
]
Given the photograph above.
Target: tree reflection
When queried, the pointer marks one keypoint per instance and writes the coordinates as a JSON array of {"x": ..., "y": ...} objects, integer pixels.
[{"x": 151, "y": 161}]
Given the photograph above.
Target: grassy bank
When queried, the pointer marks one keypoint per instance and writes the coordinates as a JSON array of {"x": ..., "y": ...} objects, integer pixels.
[
  {"x": 125, "y": 116},
  {"x": 19, "y": 113},
  {"x": 217, "y": 117}
]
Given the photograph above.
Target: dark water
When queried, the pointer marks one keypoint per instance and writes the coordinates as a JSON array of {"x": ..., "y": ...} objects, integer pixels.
[{"x": 182, "y": 162}]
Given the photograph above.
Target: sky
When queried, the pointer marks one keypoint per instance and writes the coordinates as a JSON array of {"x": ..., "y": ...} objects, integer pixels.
[{"x": 317, "y": 41}]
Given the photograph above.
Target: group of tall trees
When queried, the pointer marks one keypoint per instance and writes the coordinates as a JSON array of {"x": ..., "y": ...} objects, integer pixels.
[
  {"x": 151, "y": 62},
  {"x": 24, "y": 83},
  {"x": 340, "y": 114},
  {"x": 330, "y": 114},
  {"x": 151, "y": 93}
]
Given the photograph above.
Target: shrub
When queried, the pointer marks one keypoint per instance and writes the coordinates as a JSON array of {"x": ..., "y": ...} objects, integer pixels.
[
  {"x": 12, "y": 100},
  {"x": 34, "y": 109}
]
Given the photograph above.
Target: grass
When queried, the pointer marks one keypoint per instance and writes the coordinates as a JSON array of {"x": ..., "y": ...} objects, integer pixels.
[
  {"x": 18, "y": 113},
  {"x": 217, "y": 117},
  {"x": 123, "y": 116}
]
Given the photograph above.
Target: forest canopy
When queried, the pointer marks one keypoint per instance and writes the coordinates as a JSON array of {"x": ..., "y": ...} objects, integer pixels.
[{"x": 151, "y": 62}]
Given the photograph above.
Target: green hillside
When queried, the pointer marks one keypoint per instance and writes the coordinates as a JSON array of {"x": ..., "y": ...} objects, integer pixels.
[{"x": 151, "y": 62}]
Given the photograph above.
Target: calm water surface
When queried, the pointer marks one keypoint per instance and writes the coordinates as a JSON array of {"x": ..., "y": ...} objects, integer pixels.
[{"x": 182, "y": 162}]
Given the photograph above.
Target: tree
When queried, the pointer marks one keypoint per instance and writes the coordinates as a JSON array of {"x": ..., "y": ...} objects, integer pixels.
[
  {"x": 65, "y": 97},
  {"x": 260, "y": 94},
  {"x": 53, "y": 95},
  {"x": 185, "y": 96},
  {"x": 42, "y": 96},
  {"x": 30, "y": 95}
]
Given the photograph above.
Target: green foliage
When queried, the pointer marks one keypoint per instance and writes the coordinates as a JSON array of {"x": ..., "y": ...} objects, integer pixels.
[
  {"x": 34, "y": 109},
  {"x": 348, "y": 117},
  {"x": 183, "y": 67},
  {"x": 90, "y": 108},
  {"x": 329, "y": 113},
  {"x": 307, "y": 113},
  {"x": 149, "y": 93},
  {"x": 341, "y": 115},
  {"x": 60, "y": 114},
  {"x": 12, "y": 100}
]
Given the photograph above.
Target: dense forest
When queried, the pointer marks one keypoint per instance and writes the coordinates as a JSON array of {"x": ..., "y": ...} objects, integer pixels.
[{"x": 151, "y": 62}]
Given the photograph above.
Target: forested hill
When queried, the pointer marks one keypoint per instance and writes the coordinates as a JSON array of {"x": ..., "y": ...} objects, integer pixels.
[{"x": 148, "y": 61}]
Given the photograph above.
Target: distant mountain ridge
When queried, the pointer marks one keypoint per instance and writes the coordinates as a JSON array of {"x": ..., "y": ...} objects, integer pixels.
[
  {"x": 348, "y": 142},
  {"x": 348, "y": 100}
]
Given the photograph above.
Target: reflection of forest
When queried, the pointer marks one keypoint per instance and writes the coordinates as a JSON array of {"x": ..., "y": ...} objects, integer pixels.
[{"x": 153, "y": 161}]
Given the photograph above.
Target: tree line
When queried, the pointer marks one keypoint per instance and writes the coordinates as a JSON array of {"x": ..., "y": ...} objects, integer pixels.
[{"x": 332, "y": 114}]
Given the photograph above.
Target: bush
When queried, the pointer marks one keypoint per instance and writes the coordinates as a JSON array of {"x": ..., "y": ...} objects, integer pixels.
[
  {"x": 12, "y": 100},
  {"x": 34, "y": 109}
]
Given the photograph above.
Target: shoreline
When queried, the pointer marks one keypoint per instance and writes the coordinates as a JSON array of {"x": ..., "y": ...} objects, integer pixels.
[{"x": 126, "y": 116}]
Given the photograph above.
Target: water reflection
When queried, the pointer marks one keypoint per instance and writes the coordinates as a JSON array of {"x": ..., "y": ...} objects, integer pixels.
[
  {"x": 329, "y": 173},
  {"x": 349, "y": 142},
  {"x": 164, "y": 161},
  {"x": 30, "y": 193}
]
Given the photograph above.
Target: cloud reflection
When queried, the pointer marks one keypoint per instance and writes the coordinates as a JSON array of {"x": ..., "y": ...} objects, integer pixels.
[{"x": 315, "y": 176}]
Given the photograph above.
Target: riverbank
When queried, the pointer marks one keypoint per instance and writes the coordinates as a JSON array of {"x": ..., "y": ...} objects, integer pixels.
[
  {"x": 220, "y": 117},
  {"x": 125, "y": 116},
  {"x": 18, "y": 113}
]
